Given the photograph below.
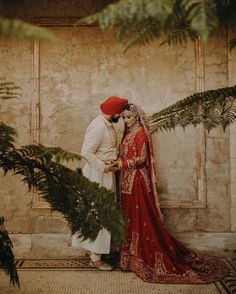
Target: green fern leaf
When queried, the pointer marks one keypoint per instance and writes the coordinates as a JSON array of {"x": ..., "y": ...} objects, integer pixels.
[
  {"x": 19, "y": 29},
  {"x": 213, "y": 108},
  {"x": 85, "y": 205},
  {"x": 7, "y": 260},
  {"x": 9, "y": 90}
]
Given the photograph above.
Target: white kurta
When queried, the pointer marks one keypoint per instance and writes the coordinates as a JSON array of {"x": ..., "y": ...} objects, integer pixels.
[{"x": 99, "y": 146}]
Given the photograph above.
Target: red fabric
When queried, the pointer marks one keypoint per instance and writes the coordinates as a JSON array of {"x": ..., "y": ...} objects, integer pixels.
[
  {"x": 150, "y": 251},
  {"x": 138, "y": 154},
  {"x": 113, "y": 105}
]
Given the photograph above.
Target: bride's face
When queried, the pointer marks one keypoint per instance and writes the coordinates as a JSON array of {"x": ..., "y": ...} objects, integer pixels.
[{"x": 129, "y": 119}]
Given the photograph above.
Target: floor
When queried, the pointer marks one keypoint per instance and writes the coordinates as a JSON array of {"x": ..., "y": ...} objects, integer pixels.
[
  {"x": 69, "y": 276},
  {"x": 86, "y": 282}
]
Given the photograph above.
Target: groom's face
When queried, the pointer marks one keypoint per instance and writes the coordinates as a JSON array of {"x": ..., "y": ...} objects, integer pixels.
[{"x": 115, "y": 118}]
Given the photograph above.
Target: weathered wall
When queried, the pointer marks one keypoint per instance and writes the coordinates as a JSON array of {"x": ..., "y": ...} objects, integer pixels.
[{"x": 75, "y": 76}]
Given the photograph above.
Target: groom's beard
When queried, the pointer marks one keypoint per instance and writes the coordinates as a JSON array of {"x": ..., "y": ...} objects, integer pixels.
[{"x": 115, "y": 119}]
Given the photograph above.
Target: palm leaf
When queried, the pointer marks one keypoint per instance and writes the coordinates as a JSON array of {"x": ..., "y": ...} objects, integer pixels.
[
  {"x": 7, "y": 260},
  {"x": 172, "y": 21},
  {"x": 9, "y": 90},
  {"x": 141, "y": 34},
  {"x": 177, "y": 27},
  {"x": 54, "y": 153},
  {"x": 129, "y": 12},
  {"x": 20, "y": 29},
  {"x": 137, "y": 21},
  {"x": 213, "y": 108},
  {"x": 85, "y": 205},
  {"x": 201, "y": 15},
  {"x": 7, "y": 136}
]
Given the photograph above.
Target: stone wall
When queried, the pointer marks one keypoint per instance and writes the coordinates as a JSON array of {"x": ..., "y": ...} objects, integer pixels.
[{"x": 69, "y": 80}]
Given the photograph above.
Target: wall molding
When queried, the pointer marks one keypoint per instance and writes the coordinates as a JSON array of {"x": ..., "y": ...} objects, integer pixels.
[
  {"x": 200, "y": 200},
  {"x": 201, "y": 191}
]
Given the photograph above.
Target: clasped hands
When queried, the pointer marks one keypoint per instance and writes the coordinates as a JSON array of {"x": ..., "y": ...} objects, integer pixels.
[{"x": 112, "y": 166}]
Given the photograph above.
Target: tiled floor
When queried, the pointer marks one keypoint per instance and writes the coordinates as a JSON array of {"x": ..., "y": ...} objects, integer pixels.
[
  {"x": 75, "y": 276},
  {"x": 88, "y": 282}
]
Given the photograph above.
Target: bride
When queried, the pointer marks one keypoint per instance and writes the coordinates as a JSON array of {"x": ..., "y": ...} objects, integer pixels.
[{"x": 149, "y": 250}]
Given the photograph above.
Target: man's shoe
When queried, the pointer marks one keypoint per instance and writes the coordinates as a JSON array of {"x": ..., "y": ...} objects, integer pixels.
[{"x": 100, "y": 265}]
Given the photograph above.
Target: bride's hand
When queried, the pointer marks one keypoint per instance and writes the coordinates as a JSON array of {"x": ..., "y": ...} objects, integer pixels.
[
  {"x": 115, "y": 163},
  {"x": 112, "y": 167}
]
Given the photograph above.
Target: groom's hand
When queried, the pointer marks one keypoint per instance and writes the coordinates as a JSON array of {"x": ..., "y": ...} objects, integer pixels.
[{"x": 112, "y": 167}]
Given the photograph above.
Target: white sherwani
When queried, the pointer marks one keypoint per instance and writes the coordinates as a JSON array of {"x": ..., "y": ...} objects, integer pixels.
[{"x": 99, "y": 146}]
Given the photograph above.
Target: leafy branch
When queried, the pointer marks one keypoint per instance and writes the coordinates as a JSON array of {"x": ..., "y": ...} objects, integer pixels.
[
  {"x": 8, "y": 90},
  {"x": 171, "y": 21},
  {"x": 213, "y": 108},
  {"x": 85, "y": 205},
  {"x": 17, "y": 28},
  {"x": 7, "y": 260}
]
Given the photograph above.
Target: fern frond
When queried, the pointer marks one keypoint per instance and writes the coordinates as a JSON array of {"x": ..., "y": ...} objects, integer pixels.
[
  {"x": 137, "y": 21},
  {"x": 177, "y": 27},
  {"x": 19, "y": 29},
  {"x": 7, "y": 136},
  {"x": 213, "y": 108},
  {"x": 129, "y": 12},
  {"x": 142, "y": 34},
  {"x": 201, "y": 15},
  {"x": 61, "y": 155},
  {"x": 9, "y": 90},
  {"x": 173, "y": 21},
  {"x": 85, "y": 205},
  {"x": 7, "y": 260}
]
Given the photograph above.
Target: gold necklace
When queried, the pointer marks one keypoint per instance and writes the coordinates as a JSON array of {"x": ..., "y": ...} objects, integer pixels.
[{"x": 134, "y": 127}]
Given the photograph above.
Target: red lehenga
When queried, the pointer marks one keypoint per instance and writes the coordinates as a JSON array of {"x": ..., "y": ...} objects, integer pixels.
[{"x": 150, "y": 251}]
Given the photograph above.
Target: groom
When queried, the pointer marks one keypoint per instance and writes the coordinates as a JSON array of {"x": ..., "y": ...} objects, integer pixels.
[{"x": 100, "y": 150}]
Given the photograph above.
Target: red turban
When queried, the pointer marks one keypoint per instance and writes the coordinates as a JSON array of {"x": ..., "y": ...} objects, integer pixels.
[{"x": 113, "y": 105}]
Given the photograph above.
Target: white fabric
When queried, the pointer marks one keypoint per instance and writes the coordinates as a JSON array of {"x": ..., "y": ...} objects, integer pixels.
[
  {"x": 95, "y": 257},
  {"x": 101, "y": 245},
  {"x": 99, "y": 146}
]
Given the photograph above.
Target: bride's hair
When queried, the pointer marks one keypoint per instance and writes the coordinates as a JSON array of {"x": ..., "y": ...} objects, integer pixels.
[{"x": 132, "y": 109}]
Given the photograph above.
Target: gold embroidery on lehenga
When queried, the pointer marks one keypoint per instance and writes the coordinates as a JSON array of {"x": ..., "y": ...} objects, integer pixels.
[
  {"x": 144, "y": 173},
  {"x": 138, "y": 159},
  {"x": 159, "y": 274},
  {"x": 159, "y": 265},
  {"x": 133, "y": 249},
  {"x": 128, "y": 174}
]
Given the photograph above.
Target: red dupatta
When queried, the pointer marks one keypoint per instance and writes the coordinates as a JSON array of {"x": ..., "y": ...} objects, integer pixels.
[{"x": 150, "y": 151}]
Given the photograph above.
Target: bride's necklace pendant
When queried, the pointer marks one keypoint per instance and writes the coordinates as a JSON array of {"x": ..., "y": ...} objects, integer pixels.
[{"x": 134, "y": 127}]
